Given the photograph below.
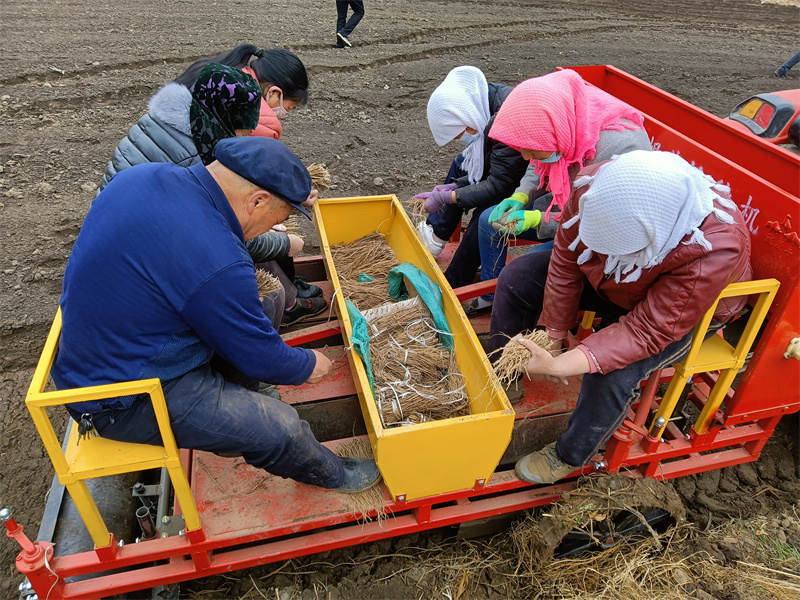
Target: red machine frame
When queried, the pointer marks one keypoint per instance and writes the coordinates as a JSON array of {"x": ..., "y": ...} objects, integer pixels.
[{"x": 250, "y": 518}]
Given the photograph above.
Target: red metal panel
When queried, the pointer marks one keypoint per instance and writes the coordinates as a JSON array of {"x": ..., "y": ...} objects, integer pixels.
[
  {"x": 338, "y": 383},
  {"x": 772, "y": 162},
  {"x": 771, "y": 381}
]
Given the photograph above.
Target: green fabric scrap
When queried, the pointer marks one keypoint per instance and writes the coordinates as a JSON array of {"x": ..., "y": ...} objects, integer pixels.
[
  {"x": 360, "y": 339},
  {"x": 428, "y": 290},
  {"x": 363, "y": 277}
]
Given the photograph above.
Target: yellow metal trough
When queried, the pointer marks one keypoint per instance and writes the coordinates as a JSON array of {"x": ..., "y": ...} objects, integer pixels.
[{"x": 428, "y": 458}]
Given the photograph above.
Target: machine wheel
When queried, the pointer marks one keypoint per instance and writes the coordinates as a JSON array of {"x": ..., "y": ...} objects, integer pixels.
[
  {"x": 624, "y": 527},
  {"x": 604, "y": 510}
]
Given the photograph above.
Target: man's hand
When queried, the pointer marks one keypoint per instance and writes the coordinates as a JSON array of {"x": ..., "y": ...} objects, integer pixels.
[
  {"x": 321, "y": 368},
  {"x": 312, "y": 197},
  {"x": 296, "y": 244}
]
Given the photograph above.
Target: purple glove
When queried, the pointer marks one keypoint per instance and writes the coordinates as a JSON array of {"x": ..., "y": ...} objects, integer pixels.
[
  {"x": 437, "y": 200},
  {"x": 446, "y": 187}
]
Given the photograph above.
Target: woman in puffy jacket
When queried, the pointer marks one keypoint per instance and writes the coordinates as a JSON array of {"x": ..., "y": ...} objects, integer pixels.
[
  {"x": 284, "y": 86},
  {"x": 462, "y": 108},
  {"x": 280, "y": 74},
  {"x": 164, "y": 135},
  {"x": 183, "y": 124}
]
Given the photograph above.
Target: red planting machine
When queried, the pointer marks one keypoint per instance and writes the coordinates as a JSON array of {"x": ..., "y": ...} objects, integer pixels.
[{"x": 198, "y": 514}]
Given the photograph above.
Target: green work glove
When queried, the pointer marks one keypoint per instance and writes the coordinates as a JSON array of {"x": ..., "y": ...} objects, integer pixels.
[
  {"x": 515, "y": 202},
  {"x": 522, "y": 220}
]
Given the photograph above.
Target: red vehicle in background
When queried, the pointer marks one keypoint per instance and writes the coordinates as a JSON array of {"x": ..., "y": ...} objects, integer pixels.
[{"x": 774, "y": 117}]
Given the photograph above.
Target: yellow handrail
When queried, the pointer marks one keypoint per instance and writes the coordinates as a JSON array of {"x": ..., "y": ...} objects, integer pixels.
[
  {"x": 71, "y": 474},
  {"x": 715, "y": 354}
]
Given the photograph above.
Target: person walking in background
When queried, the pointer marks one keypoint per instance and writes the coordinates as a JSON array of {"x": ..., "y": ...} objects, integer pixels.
[
  {"x": 344, "y": 27},
  {"x": 784, "y": 69}
]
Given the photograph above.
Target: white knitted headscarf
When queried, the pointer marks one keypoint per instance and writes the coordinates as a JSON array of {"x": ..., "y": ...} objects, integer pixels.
[
  {"x": 640, "y": 206},
  {"x": 461, "y": 101}
]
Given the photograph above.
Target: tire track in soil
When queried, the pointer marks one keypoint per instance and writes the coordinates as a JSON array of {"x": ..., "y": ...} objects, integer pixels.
[
  {"x": 53, "y": 75},
  {"x": 110, "y": 98}
]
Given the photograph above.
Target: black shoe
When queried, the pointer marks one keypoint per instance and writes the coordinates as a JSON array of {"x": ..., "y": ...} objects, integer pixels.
[
  {"x": 305, "y": 289},
  {"x": 302, "y": 309},
  {"x": 779, "y": 73},
  {"x": 359, "y": 474},
  {"x": 473, "y": 308}
]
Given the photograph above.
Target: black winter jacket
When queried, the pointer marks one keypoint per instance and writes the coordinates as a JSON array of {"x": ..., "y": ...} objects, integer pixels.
[{"x": 503, "y": 166}]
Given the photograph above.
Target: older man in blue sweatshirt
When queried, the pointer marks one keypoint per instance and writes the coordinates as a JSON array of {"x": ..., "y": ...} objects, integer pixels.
[{"x": 159, "y": 280}]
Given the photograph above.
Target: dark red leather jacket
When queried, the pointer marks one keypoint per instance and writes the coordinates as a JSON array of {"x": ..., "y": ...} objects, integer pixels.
[{"x": 665, "y": 303}]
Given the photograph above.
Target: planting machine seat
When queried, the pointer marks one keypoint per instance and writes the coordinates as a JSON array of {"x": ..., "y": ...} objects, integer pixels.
[{"x": 236, "y": 517}]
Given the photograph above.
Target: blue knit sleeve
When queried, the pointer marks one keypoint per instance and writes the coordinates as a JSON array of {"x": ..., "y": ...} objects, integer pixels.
[{"x": 226, "y": 313}]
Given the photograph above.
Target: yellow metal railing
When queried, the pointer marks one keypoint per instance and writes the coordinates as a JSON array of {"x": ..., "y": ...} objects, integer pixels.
[
  {"x": 715, "y": 354},
  {"x": 97, "y": 456}
]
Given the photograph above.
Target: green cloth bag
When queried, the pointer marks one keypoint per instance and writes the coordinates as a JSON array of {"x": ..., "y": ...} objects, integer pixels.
[
  {"x": 428, "y": 290},
  {"x": 360, "y": 339}
]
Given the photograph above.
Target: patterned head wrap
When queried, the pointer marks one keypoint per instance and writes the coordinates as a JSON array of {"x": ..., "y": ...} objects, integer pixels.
[
  {"x": 223, "y": 100},
  {"x": 461, "y": 101},
  {"x": 639, "y": 207},
  {"x": 560, "y": 112}
]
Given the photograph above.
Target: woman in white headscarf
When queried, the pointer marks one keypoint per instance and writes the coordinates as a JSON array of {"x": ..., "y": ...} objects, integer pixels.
[
  {"x": 462, "y": 109},
  {"x": 649, "y": 242}
]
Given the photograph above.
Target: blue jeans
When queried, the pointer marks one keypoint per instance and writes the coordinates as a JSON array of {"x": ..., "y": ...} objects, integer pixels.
[
  {"x": 786, "y": 67},
  {"x": 604, "y": 400},
  {"x": 209, "y": 413},
  {"x": 494, "y": 250},
  {"x": 344, "y": 26}
]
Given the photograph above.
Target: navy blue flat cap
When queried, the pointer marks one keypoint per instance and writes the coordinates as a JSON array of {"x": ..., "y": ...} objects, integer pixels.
[{"x": 269, "y": 164}]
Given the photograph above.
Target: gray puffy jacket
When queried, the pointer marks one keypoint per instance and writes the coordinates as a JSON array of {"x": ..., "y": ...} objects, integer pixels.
[{"x": 164, "y": 135}]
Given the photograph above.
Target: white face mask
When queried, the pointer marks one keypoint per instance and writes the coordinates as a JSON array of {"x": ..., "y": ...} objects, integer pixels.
[
  {"x": 554, "y": 157},
  {"x": 466, "y": 139},
  {"x": 279, "y": 110}
]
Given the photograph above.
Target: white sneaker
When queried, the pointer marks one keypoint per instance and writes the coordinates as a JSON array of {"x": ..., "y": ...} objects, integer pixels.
[
  {"x": 426, "y": 233},
  {"x": 344, "y": 40}
]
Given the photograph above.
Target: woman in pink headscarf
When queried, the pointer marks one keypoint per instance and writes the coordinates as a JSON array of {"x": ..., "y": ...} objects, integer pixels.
[{"x": 560, "y": 124}]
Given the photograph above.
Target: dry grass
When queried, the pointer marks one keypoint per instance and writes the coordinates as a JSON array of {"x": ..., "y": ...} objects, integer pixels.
[
  {"x": 519, "y": 564},
  {"x": 370, "y": 256},
  {"x": 320, "y": 177},
  {"x": 416, "y": 207},
  {"x": 416, "y": 377},
  {"x": 267, "y": 283},
  {"x": 292, "y": 224},
  {"x": 369, "y": 502},
  {"x": 514, "y": 357}
]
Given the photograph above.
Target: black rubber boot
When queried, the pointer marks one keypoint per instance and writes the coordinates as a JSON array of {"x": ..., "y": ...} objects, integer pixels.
[{"x": 359, "y": 474}]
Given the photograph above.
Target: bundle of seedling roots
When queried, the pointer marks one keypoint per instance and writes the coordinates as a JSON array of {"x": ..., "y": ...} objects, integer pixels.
[{"x": 416, "y": 377}]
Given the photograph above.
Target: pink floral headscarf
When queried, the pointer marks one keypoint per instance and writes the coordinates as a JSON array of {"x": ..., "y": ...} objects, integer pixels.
[{"x": 560, "y": 112}]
